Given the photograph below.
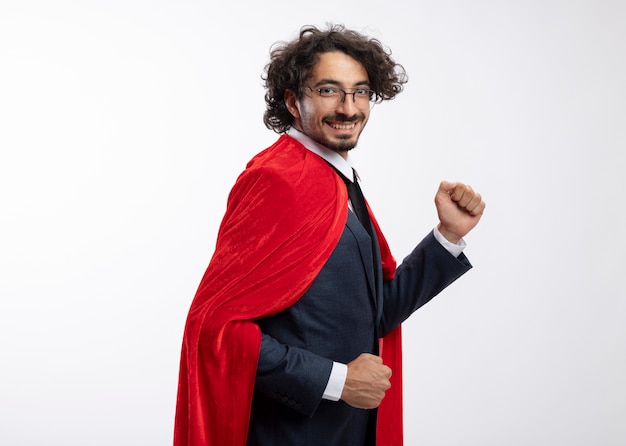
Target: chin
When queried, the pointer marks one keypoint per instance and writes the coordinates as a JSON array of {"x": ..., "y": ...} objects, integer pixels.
[
  {"x": 342, "y": 144},
  {"x": 342, "y": 147},
  {"x": 335, "y": 144}
]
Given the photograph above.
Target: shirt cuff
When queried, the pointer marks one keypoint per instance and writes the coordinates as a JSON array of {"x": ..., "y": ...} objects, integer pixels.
[
  {"x": 453, "y": 248},
  {"x": 337, "y": 380}
]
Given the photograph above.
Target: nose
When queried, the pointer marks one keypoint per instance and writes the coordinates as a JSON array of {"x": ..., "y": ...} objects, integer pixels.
[{"x": 347, "y": 106}]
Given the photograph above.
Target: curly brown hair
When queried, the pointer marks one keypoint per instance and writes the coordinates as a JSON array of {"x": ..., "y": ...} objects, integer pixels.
[{"x": 291, "y": 64}]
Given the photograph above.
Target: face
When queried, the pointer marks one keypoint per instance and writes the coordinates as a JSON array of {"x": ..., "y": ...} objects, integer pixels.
[{"x": 335, "y": 126}]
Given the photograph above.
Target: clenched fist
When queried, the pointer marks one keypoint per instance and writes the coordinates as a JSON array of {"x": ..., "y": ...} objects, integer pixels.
[
  {"x": 459, "y": 208},
  {"x": 366, "y": 382}
]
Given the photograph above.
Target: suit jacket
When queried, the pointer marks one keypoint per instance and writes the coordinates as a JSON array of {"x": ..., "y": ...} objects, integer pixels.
[{"x": 343, "y": 313}]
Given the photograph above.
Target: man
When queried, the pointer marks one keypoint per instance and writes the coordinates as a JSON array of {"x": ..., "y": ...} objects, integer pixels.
[{"x": 293, "y": 336}]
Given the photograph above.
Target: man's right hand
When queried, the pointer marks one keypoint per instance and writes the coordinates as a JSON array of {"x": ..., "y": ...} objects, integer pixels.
[{"x": 366, "y": 382}]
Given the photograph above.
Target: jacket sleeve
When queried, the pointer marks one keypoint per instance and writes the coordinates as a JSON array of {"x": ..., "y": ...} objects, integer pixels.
[
  {"x": 422, "y": 275},
  {"x": 292, "y": 376}
]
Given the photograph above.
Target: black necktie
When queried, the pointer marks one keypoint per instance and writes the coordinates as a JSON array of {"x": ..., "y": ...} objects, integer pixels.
[
  {"x": 355, "y": 194},
  {"x": 358, "y": 203}
]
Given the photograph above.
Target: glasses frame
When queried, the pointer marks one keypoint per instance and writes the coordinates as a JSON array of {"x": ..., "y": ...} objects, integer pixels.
[{"x": 372, "y": 97}]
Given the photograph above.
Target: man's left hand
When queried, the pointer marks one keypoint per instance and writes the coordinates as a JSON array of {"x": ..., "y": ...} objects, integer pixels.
[{"x": 459, "y": 208}]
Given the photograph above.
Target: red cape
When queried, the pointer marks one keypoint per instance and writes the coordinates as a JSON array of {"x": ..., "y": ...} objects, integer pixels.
[{"x": 284, "y": 217}]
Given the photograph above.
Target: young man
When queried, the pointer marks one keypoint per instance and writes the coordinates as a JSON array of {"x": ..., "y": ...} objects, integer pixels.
[{"x": 293, "y": 336}]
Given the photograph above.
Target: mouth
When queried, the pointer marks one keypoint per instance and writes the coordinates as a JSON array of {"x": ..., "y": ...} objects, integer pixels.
[{"x": 341, "y": 125}]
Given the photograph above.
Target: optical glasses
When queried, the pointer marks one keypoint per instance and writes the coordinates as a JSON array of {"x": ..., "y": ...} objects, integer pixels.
[{"x": 333, "y": 96}]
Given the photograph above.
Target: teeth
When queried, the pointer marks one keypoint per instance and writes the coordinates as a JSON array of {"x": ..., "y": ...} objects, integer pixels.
[{"x": 343, "y": 126}]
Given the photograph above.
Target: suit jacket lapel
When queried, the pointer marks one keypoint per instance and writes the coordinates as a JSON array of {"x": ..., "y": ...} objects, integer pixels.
[{"x": 365, "y": 250}]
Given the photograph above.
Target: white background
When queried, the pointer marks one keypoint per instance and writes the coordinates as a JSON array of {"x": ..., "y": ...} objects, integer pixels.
[{"x": 123, "y": 125}]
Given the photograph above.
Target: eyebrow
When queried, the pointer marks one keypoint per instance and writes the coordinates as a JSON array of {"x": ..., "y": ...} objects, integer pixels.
[{"x": 337, "y": 83}]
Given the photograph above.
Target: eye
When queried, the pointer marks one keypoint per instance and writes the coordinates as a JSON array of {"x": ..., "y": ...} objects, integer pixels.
[
  {"x": 328, "y": 91},
  {"x": 364, "y": 93}
]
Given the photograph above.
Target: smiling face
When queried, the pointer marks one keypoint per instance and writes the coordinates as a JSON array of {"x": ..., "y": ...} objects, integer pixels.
[{"x": 336, "y": 126}]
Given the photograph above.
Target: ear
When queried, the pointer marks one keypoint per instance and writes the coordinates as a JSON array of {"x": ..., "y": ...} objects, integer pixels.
[{"x": 291, "y": 101}]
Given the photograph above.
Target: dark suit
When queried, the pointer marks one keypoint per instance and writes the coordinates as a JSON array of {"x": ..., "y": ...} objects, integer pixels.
[{"x": 344, "y": 312}]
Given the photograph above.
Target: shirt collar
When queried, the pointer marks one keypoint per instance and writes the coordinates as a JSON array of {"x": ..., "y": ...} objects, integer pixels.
[{"x": 338, "y": 162}]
